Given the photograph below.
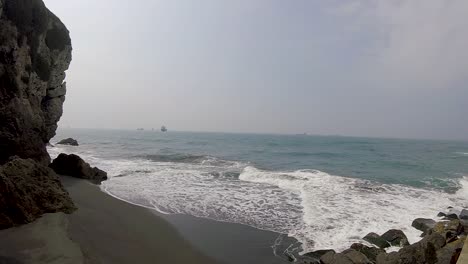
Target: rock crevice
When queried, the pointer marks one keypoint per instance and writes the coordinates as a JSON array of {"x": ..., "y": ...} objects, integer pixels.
[{"x": 35, "y": 52}]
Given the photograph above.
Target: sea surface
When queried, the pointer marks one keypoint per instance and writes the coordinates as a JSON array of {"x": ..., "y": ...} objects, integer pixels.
[{"x": 325, "y": 191}]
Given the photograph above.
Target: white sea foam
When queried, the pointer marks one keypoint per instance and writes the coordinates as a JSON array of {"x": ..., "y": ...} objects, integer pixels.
[
  {"x": 338, "y": 211},
  {"x": 320, "y": 210}
]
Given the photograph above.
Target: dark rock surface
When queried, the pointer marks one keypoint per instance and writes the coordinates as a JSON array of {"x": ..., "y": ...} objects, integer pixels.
[
  {"x": 451, "y": 216},
  {"x": 464, "y": 214},
  {"x": 349, "y": 256},
  {"x": 28, "y": 190},
  {"x": 375, "y": 239},
  {"x": 422, "y": 252},
  {"x": 35, "y": 51},
  {"x": 318, "y": 253},
  {"x": 73, "y": 165},
  {"x": 395, "y": 237},
  {"x": 370, "y": 252},
  {"x": 68, "y": 141},
  {"x": 423, "y": 224}
]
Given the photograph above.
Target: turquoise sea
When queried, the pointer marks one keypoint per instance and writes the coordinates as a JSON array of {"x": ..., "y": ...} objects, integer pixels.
[{"x": 326, "y": 191}]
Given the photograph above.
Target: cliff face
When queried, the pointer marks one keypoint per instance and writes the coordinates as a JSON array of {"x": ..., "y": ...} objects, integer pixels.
[{"x": 35, "y": 51}]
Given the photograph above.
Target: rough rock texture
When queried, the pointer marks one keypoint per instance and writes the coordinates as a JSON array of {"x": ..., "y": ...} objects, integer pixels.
[
  {"x": 423, "y": 224},
  {"x": 464, "y": 214},
  {"x": 318, "y": 253},
  {"x": 73, "y": 165},
  {"x": 349, "y": 256},
  {"x": 28, "y": 190},
  {"x": 376, "y": 240},
  {"x": 395, "y": 237},
  {"x": 370, "y": 252},
  {"x": 424, "y": 251},
  {"x": 35, "y": 51},
  {"x": 68, "y": 141}
]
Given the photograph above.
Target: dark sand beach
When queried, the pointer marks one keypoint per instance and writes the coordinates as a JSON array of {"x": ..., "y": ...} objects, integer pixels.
[{"x": 113, "y": 231}]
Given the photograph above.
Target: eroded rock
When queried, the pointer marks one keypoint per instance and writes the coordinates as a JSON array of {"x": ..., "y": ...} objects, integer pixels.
[
  {"x": 423, "y": 224},
  {"x": 370, "y": 252},
  {"x": 375, "y": 239},
  {"x": 35, "y": 52},
  {"x": 68, "y": 141},
  {"x": 73, "y": 165},
  {"x": 28, "y": 190},
  {"x": 395, "y": 237}
]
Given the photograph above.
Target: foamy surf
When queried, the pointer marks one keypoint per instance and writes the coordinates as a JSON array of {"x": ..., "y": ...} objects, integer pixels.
[{"x": 318, "y": 209}]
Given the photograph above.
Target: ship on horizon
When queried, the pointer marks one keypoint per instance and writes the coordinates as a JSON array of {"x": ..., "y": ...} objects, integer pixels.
[{"x": 163, "y": 129}]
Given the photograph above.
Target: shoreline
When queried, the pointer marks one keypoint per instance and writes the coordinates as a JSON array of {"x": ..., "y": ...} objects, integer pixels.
[
  {"x": 270, "y": 246},
  {"x": 109, "y": 230},
  {"x": 191, "y": 239}
]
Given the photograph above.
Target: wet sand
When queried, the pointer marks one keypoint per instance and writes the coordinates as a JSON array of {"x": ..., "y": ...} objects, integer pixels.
[{"x": 112, "y": 231}]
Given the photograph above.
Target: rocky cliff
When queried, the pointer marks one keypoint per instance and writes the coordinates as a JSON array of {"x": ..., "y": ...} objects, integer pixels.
[{"x": 35, "y": 51}]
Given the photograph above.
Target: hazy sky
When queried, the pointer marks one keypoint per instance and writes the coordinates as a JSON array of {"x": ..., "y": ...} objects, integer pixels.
[{"x": 355, "y": 67}]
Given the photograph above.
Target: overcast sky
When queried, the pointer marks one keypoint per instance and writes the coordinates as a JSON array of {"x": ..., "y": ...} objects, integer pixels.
[{"x": 355, "y": 67}]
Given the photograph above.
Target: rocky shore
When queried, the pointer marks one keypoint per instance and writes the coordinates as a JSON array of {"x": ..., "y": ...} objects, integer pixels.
[
  {"x": 442, "y": 242},
  {"x": 35, "y": 52}
]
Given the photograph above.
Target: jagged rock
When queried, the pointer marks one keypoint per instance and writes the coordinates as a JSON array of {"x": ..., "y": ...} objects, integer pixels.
[
  {"x": 370, "y": 252},
  {"x": 451, "y": 251},
  {"x": 73, "y": 165},
  {"x": 375, "y": 239},
  {"x": 454, "y": 226},
  {"x": 35, "y": 52},
  {"x": 464, "y": 214},
  {"x": 335, "y": 258},
  {"x": 356, "y": 257},
  {"x": 423, "y": 224},
  {"x": 349, "y": 256},
  {"x": 68, "y": 141},
  {"x": 451, "y": 216},
  {"x": 318, "y": 253},
  {"x": 28, "y": 190},
  {"x": 395, "y": 237},
  {"x": 422, "y": 252}
]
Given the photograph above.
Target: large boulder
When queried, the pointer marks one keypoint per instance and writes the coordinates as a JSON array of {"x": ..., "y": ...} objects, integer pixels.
[
  {"x": 68, "y": 141},
  {"x": 73, "y": 165},
  {"x": 370, "y": 252},
  {"x": 28, "y": 190},
  {"x": 35, "y": 52},
  {"x": 423, "y": 224},
  {"x": 395, "y": 237},
  {"x": 464, "y": 214},
  {"x": 422, "y": 252},
  {"x": 349, "y": 256},
  {"x": 451, "y": 251},
  {"x": 314, "y": 256},
  {"x": 377, "y": 240}
]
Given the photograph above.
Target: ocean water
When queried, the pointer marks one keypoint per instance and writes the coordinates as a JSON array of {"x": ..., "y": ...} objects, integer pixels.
[{"x": 325, "y": 191}]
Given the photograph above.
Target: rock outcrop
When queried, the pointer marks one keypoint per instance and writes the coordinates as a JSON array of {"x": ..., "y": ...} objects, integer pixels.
[
  {"x": 68, "y": 141},
  {"x": 29, "y": 189},
  {"x": 73, "y": 165},
  {"x": 35, "y": 51},
  {"x": 442, "y": 243}
]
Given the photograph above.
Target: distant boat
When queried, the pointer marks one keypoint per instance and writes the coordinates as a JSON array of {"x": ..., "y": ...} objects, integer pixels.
[
  {"x": 163, "y": 129},
  {"x": 140, "y": 129}
]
